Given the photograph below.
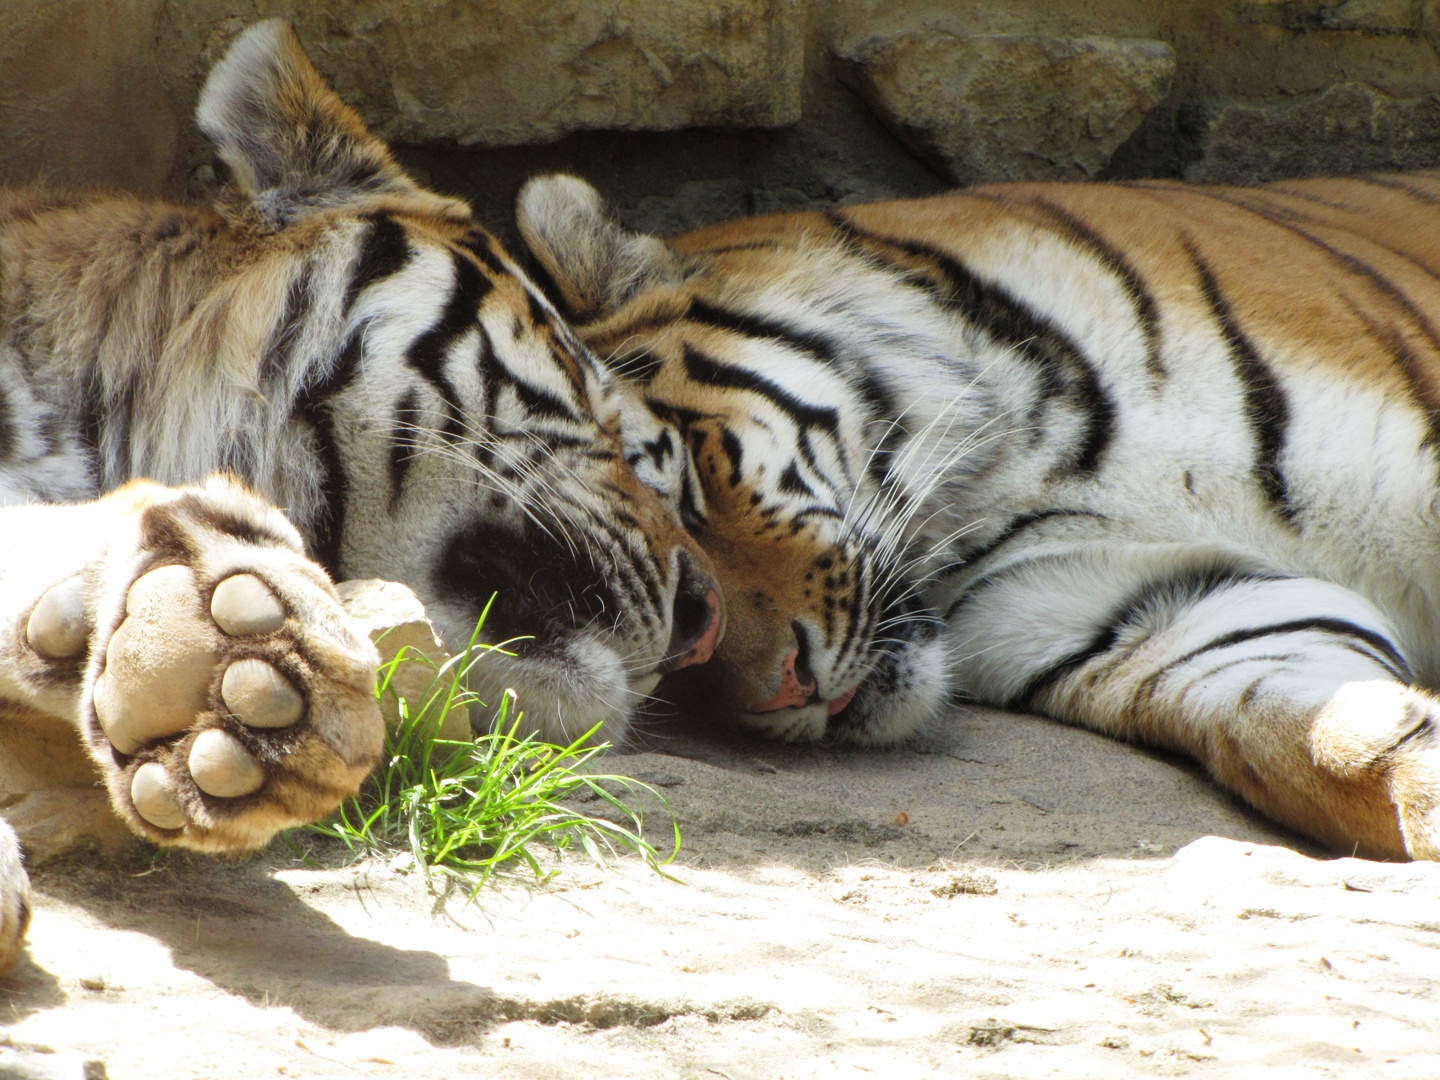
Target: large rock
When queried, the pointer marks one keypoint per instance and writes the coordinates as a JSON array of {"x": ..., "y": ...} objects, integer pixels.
[
  {"x": 508, "y": 72},
  {"x": 1007, "y": 106},
  {"x": 1366, "y": 16},
  {"x": 100, "y": 92},
  {"x": 50, "y": 791},
  {"x": 1351, "y": 127}
]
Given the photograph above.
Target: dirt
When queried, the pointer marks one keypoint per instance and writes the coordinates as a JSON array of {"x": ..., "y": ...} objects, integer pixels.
[{"x": 1008, "y": 897}]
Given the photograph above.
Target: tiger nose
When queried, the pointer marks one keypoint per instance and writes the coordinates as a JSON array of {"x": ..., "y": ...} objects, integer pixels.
[
  {"x": 797, "y": 686},
  {"x": 698, "y": 619}
]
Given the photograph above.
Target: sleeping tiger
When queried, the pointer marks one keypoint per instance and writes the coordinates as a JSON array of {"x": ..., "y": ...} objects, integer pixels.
[
  {"x": 1158, "y": 460},
  {"x": 332, "y": 339}
]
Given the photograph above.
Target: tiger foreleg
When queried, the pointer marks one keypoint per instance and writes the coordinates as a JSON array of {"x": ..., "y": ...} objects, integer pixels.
[
  {"x": 214, "y": 679},
  {"x": 1292, "y": 692}
]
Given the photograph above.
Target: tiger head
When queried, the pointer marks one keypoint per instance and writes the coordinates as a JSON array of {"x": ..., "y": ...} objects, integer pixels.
[
  {"x": 421, "y": 412},
  {"x": 828, "y": 635}
]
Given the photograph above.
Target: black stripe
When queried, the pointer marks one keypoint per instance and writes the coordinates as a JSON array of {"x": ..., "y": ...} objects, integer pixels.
[
  {"x": 1394, "y": 183},
  {"x": 384, "y": 251},
  {"x": 540, "y": 274},
  {"x": 1339, "y": 627},
  {"x": 1351, "y": 263},
  {"x": 1146, "y": 310},
  {"x": 730, "y": 443},
  {"x": 791, "y": 481},
  {"x": 640, "y": 366},
  {"x": 857, "y": 609},
  {"x": 428, "y": 352},
  {"x": 1378, "y": 661},
  {"x": 883, "y": 411},
  {"x": 479, "y": 243},
  {"x": 541, "y": 402},
  {"x": 704, "y": 370},
  {"x": 757, "y": 326},
  {"x": 1183, "y": 589},
  {"x": 1014, "y": 528},
  {"x": 402, "y": 443},
  {"x": 9, "y": 440},
  {"x": 299, "y": 298},
  {"x": 1419, "y": 376},
  {"x": 1063, "y": 368},
  {"x": 1266, "y": 409},
  {"x": 313, "y": 406}
]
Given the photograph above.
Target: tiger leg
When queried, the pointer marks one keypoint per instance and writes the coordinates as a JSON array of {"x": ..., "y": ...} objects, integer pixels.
[
  {"x": 216, "y": 682},
  {"x": 1292, "y": 692}
]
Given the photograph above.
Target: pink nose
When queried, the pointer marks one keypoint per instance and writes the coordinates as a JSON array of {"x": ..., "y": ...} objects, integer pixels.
[
  {"x": 792, "y": 691},
  {"x": 701, "y": 645}
]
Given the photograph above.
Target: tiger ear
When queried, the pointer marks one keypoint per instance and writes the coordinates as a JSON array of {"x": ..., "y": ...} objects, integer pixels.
[
  {"x": 594, "y": 262},
  {"x": 292, "y": 145}
]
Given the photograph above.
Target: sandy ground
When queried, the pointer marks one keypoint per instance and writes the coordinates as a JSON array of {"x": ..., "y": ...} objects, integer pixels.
[{"x": 1009, "y": 898}]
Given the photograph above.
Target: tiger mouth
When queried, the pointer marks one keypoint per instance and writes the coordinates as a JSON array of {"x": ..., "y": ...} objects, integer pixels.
[{"x": 808, "y": 696}]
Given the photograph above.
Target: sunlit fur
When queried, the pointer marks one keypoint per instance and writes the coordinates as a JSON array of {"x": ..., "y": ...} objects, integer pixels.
[
  {"x": 361, "y": 352},
  {"x": 1155, "y": 459}
]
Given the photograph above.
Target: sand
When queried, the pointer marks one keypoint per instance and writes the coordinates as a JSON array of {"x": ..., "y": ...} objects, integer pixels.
[{"x": 1006, "y": 898}]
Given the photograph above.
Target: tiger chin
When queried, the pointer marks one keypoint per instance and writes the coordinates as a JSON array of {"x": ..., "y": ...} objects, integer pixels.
[
  {"x": 1157, "y": 460},
  {"x": 332, "y": 339}
]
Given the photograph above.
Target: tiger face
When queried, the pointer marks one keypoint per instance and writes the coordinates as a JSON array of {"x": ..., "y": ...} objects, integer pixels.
[
  {"x": 828, "y": 635},
  {"x": 360, "y": 351}
]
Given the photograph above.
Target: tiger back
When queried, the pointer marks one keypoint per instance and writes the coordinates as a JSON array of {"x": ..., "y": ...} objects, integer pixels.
[{"x": 1151, "y": 458}]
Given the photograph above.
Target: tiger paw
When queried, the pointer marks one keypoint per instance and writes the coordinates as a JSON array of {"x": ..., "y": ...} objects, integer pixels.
[
  {"x": 1384, "y": 738},
  {"x": 227, "y": 696}
]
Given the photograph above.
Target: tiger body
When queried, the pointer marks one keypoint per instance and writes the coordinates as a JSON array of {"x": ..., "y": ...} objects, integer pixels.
[
  {"x": 209, "y": 413},
  {"x": 1154, "y": 459}
]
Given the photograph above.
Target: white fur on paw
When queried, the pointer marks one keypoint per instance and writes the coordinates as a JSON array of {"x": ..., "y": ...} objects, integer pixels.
[
  {"x": 222, "y": 767},
  {"x": 158, "y": 663},
  {"x": 243, "y": 604},
  {"x": 150, "y": 792},
  {"x": 259, "y": 696},
  {"x": 58, "y": 628},
  {"x": 14, "y": 899}
]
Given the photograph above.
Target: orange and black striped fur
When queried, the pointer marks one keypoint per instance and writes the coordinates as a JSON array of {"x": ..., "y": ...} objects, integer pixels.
[
  {"x": 358, "y": 352},
  {"x": 1159, "y": 460}
]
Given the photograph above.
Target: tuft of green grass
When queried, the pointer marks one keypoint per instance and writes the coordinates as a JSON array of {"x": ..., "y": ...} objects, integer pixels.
[{"x": 465, "y": 810}]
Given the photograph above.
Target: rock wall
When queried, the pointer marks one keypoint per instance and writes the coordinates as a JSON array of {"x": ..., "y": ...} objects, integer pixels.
[{"x": 691, "y": 110}]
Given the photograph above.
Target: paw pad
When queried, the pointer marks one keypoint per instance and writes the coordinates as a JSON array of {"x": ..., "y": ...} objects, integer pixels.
[
  {"x": 259, "y": 696},
  {"x": 243, "y": 604},
  {"x": 158, "y": 663},
  {"x": 58, "y": 628},
  {"x": 222, "y": 767},
  {"x": 150, "y": 792}
]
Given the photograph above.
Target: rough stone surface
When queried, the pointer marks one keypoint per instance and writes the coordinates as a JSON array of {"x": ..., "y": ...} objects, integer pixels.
[
  {"x": 528, "y": 71},
  {"x": 49, "y": 788},
  {"x": 395, "y": 621},
  {"x": 101, "y": 92},
  {"x": 1368, "y": 16},
  {"x": 1007, "y": 107},
  {"x": 1349, "y": 128}
]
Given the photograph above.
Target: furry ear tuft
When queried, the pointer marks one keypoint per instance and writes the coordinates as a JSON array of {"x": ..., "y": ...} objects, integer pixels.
[
  {"x": 595, "y": 263},
  {"x": 292, "y": 145}
]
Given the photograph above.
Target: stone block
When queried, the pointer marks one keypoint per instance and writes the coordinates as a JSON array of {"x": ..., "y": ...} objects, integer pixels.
[
  {"x": 1351, "y": 127},
  {"x": 1009, "y": 106},
  {"x": 50, "y": 791},
  {"x": 513, "y": 72},
  {"x": 1365, "y": 16}
]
